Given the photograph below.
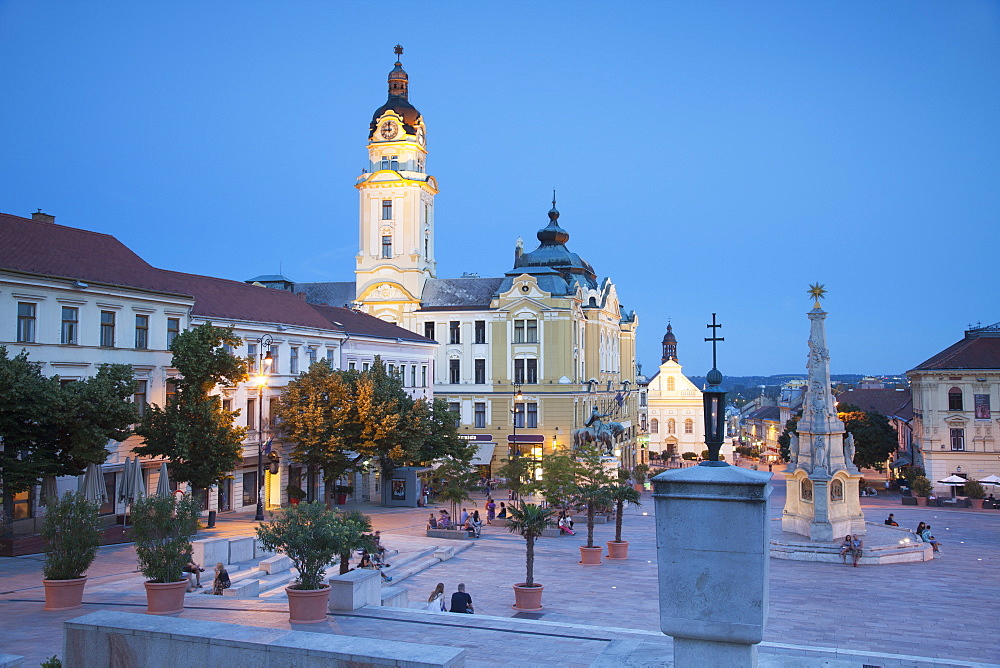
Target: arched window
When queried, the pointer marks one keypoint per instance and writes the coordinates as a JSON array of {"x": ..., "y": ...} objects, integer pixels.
[
  {"x": 671, "y": 385},
  {"x": 671, "y": 426},
  {"x": 654, "y": 426},
  {"x": 689, "y": 426},
  {"x": 955, "y": 399}
]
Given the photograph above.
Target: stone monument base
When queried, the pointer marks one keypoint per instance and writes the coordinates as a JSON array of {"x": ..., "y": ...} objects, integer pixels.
[{"x": 883, "y": 545}]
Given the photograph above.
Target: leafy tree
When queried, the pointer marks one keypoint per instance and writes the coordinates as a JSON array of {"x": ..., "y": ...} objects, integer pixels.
[
  {"x": 456, "y": 478},
  {"x": 593, "y": 485},
  {"x": 354, "y": 542},
  {"x": 974, "y": 489},
  {"x": 72, "y": 532},
  {"x": 560, "y": 471},
  {"x": 193, "y": 431},
  {"x": 874, "y": 438},
  {"x": 785, "y": 439},
  {"x": 517, "y": 472},
  {"x": 921, "y": 486},
  {"x": 640, "y": 472},
  {"x": 48, "y": 429},
  {"x": 162, "y": 529}
]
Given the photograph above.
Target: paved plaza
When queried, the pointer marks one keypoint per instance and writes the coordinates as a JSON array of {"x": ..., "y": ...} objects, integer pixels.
[{"x": 938, "y": 613}]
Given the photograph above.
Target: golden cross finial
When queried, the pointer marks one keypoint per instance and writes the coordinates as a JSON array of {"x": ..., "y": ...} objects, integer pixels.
[
  {"x": 817, "y": 292},
  {"x": 398, "y": 50}
]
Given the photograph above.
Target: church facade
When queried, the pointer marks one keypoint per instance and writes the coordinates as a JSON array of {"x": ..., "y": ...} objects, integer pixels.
[{"x": 547, "y": 331}]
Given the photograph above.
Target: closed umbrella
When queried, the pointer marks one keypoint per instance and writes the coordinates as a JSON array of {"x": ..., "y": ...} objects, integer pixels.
[
  {"x": 138, "y": 482},
  {"x": 93, "y": 484},
  {"x": 50, "y": 491},
  {"x": 122, "y": 480},
  {"x": 163, "y": 486}
]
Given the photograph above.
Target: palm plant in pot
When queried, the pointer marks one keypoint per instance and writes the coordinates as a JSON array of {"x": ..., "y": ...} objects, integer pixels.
[
  {"x": 594, "y": 490},
  {"x": 528, "y": 520},
  {"x": 162, "y": 528},
  {"x": 313, "y": 538},
  {"x": 621, "y": 494},
  {"x": 640, "y": 473},
  {"x": 72, "y": 533}
]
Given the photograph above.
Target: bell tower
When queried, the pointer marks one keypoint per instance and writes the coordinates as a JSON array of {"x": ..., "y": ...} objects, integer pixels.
[
  {"x": 396, "y": 240},
  {"x": 669, "y": 346}
]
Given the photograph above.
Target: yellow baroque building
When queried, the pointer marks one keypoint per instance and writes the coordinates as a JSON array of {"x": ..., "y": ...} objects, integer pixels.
[{"x": 547, "y": 327}]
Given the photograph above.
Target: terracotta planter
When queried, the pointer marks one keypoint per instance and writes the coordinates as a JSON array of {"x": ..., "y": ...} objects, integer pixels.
[
  {"x": 528, "y": 599},
  {"x": 293, "y": 502},
  {"x": 165, "y": 598},
  {"x": 307, "y": 606},
  {"x": 617, "y": 550},
  {"x": 64, "y": 594},
  {"x": 639, "y": 487},
  {"x": 341, "y": 499},
  {"x": 590, "y": 556}
]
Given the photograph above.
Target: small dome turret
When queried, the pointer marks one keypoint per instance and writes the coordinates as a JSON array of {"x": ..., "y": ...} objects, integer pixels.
[{"x": 398, "y": 102}]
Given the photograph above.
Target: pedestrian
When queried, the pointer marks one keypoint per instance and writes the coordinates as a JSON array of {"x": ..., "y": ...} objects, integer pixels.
[
  {"x": 769, "y": 469},
  {"x": 475, "y": 524},
  {"x": 193, "y": 571},
  {"x": 928, "y": 538},
  {"x": 435, "y": 602},
  {"x": 503, "y": 511},
  {"x": 432, "y": 522},
  {"x": 890, "y": 522},
  {"x": 491, "y": 509},
  {"x": 920, "y": 530},
  {"x": 461, "y": 602},
  {"x": 464, "y": 517},
  {"x": 857, "y": 547},
  {"x": 221, "y": 581}
]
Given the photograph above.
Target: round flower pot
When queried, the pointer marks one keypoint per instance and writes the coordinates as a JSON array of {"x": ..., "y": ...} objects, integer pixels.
[
  {"x": 307, "y": 606},
  {"x": 639, "y": 487},
  {"x": 165, "y": 598},
  {"x": 590, "y": 556},
  {"x": 617, "y": 550},
  {"x": 528, "y": 599},
  {"x": 293, "y": 501},
  {"x": 64, "y": 594}
]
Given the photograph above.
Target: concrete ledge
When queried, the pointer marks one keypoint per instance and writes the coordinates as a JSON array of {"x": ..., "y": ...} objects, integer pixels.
[
  {"x": 552, "y": 532},
  {"x": 450, "y": 534},
  {"x": 276, "y": 564},
  {"x": 11, "y": 661},
  {"x": 210, "y": 551},
  {"x": 245, "y": 589},
  {"x": 259, "y": 552},
  {"x": 241, "y": 549},
  {"x": 355, "y": 589},
  {"x": 109, "y": 638},
  {"x": 395, "y": 597}
]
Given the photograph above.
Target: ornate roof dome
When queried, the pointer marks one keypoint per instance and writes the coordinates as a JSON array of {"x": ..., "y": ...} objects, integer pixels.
[
  {"x": 669, "y": 336},
  {"x": 398, "y": 101},
  {"x": 553, "y": 254}
]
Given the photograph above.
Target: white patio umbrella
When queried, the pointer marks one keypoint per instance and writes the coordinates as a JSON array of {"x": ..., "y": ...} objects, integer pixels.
[
  {"x": 991, "y": 480},
  {"x": 163, "y": 484},
  {"x": 93, "y": 484},
  {"x": 953, "y": 481},
  {"x": 50, "y": 491}
]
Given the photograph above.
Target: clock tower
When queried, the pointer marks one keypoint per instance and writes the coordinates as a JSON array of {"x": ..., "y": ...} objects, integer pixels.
[{"x": 396, "y": 249}]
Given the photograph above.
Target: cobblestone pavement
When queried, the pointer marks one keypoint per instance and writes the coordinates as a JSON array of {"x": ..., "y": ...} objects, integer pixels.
[{"x": 945, "y": 609}]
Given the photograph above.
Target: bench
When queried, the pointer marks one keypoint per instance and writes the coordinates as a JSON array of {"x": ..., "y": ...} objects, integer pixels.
[
  {"x": 243, "y": 589},
  {"x": 275, "y": 564},
  {"x": 552, "y": 532},
  {"x": 909, "y": 500},
  {"x": 395, "y": 597},
  {"x": 450, "y": 534}
]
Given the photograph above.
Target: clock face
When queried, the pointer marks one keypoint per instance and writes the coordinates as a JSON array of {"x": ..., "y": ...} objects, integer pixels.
[
  {"x": 421, "y": 137},
  {"x": 389, "y": 130}
]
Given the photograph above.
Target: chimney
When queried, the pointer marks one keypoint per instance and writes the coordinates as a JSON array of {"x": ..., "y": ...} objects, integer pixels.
[{"x": 43, "y": 217}]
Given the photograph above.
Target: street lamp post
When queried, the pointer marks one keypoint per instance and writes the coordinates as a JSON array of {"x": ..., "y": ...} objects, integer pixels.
[
  {"x": 264, "y": 365},
  {"x": 515, "y": 452}
]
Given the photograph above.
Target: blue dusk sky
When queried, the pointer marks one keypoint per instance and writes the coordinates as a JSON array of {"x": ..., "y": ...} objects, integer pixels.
[{"x": 708, "y": 156}]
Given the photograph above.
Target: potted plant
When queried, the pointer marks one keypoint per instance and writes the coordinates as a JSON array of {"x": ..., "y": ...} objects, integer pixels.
[
  {"x": 975, "y": 491},
  {"x": 640, "y": 472},
  {"x": 922, "y": 487},
  {"x": 593, "y": 489},
  {"x": 342, "y": 492},
  {"x": 364, "y": 526},
  {"x": 295, "y": 494},
  {"x": 528, "y": 520},
  {"x": 312, "y": 537},
  {"x": 72, "y": 533},
  {"x": 621, "y": 494},
  {"x": 162, "y": 528}
]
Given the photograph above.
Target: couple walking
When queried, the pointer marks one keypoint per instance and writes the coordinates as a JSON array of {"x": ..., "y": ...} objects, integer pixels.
[{"x": 460, "y": 601}]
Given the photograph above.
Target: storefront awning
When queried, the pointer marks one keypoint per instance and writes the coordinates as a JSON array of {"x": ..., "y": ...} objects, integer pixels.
[{"x": 484, "y": 455}]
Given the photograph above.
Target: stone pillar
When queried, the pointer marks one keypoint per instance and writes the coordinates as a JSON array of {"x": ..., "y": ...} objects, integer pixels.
[{"x": 712, "y": 540}]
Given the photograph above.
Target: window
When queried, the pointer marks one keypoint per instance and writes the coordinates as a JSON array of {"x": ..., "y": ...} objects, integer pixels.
[
  {"x": 70, "y": 325},
  {"x": 108, "y": 329},
  {"x": 365, "y": 366},
  {"x": 532, "y": 416},
  {"x": 293, "y": 360},
  {"x": 958, "y": 439},
  {"x": 531, "y": 333},
  {"x": 955, "y": 399},
  {"x": 402, "y": 374},
  {"x": 227, "y": 405},
  {"x": 456, "y": 408},
  {"x": 272, "y": 413},
  {"x": 413, "y": 375},
  {"x": 480, "y": 331},
  {"x": 671, "y": 384},
  {"x": 532, "y": 375},
  {"x": 108, "y": 507},
  {"x": 312, "y": 355},
  {"x": 386, "y": 246},
  {"x": 689, "y": 426},
  {"x": 352, "y": 366},
  {"x": 250, "y": 488},
  {"x": 252, "y": 414},
  {"x": 480, "y": 371},
  {"x": 519, "y": 371},
  {"x": 173, "y": 329},
  {"x": 22, "y": 505},
  {"x": 654, "y": 426},
  {"x": 519, "y": 416},
  {"x": 454, "y": 332},
  {"x": 671, "y": 426},
  {"x": 391, "y": 369},
  {"x": 330, "y": 352},
  {"x": 454, "y": 371},
  {"x": 141, "y": 332},
  {"x": 429, "y": 331},
  {"x": 25, "y": 322},
  {"x": 518, "y": 331},
  {"x": 423, "y": 376},
  {"x": 387, "y": 209},
  {"x": 170, "y": 389},
  {"x": 427, "y": 247},
  {"x": 480, "y": 415},
  {"x": 252, "y": 356},
  {"x": 642, "y": 399},
  {"x": 139, "y": 397},
  {"x": 274, "y": 360}
]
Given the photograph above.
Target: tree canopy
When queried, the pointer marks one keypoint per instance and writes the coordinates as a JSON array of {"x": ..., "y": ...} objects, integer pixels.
[
  {"x": 874, "y": 438},
  {"x": 192, "y": 430}
]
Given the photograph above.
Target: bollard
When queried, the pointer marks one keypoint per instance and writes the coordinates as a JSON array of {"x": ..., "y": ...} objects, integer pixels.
[
  {"x": 712, "y": 554},
  {"x": 211, "y": 519}
]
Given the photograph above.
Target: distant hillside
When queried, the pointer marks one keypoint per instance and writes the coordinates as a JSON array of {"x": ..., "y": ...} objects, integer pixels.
[{"x": 751, "y": 386}]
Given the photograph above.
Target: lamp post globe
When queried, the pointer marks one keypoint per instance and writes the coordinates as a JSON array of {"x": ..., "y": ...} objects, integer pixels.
[{"x": 264, "y": 366}]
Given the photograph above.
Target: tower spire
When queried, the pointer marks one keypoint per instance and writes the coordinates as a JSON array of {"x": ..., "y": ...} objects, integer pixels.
[{"x": 398, "y": 79}]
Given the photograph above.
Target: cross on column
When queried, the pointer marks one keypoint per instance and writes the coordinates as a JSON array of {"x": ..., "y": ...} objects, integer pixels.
[{"x": 714, "y": 339}]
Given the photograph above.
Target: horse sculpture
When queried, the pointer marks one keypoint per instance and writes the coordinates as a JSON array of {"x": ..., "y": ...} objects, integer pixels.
[{"x": 604, "y": 434}]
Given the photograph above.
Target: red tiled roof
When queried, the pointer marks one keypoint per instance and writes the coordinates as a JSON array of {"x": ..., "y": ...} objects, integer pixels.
[
  {"x": 40, "y": 247},
  {"x": 362, "y": 324},
  {"x": 890, "y": 402},
  {"x": 972, "y": 352}
]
